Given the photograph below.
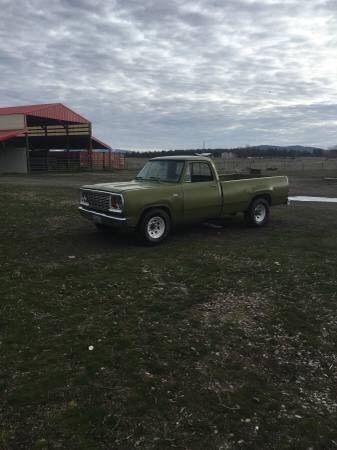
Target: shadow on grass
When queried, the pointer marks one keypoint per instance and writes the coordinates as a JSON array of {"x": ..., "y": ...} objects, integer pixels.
[{"x": 233, "y": 226}]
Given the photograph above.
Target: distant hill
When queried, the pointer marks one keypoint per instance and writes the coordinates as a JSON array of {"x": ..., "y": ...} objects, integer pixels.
[
  {"x": 248, "y": 151},
  {"x": 278, "y": 150},
  {"x": 288, "y": 148}
]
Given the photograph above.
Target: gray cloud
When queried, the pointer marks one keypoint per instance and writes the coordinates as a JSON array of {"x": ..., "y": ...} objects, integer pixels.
[{"x": 158, "y": 74}]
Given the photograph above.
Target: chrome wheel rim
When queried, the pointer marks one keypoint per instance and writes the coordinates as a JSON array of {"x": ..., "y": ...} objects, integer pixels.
[
  {"x": 156, "y": 227},
  {"x": 259, "y": 213}
]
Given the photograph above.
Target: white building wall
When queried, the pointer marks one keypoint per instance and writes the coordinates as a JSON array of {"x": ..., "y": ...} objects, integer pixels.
[
  {"x": 13, "y": 160},
  {"x": 12, "y": 122}
]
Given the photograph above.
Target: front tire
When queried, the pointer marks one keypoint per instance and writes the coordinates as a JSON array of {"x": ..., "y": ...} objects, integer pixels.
[
  {"x": 154, "y": 226},
  {"x": 257, "y": 214}
]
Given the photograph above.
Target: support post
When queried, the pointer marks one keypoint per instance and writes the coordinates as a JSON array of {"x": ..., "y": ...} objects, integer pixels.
[
  {"x": 67, "y": 144},
  {"x": 90, "y": 147},
  {"x": 27, "y": 147}
]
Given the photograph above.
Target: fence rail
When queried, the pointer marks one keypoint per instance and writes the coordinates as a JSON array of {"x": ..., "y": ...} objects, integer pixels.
[{"x": 77, "y": 161}]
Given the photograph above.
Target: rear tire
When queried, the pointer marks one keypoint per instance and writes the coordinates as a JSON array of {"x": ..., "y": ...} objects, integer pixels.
[
  {"x": 257, "y": 214},
  {"x": 154, "y": 226}
]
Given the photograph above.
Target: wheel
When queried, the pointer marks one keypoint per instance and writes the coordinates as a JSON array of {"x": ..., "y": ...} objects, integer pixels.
[
  {"x": 154, "y": 226},
  {"x": 258, "y": 212}
]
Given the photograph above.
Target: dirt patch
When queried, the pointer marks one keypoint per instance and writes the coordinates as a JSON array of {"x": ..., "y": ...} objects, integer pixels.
[
  {"x": 312, "y": 185},
  {"x": 246, "y": 311}
]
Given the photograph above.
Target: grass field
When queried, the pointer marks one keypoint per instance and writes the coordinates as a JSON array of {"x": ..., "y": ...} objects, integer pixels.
[{"x": 221, "y": 338}]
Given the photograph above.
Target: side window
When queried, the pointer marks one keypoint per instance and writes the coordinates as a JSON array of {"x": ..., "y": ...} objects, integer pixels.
[
  {"x": 198, "y": 172},
  {"x": 174, "y": 169}
]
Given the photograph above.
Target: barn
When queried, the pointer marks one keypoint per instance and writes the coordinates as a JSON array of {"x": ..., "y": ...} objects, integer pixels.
[{"x": 49, "y": 137}]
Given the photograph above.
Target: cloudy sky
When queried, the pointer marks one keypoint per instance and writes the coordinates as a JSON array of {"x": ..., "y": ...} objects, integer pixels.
[{"x": 174, "y": 73}]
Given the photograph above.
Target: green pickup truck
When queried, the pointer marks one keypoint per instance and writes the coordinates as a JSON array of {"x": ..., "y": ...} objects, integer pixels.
[{"x": 174, "y": 190}]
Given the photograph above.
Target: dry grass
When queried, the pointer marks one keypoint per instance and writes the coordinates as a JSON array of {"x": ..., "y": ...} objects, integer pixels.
[{"x": 222, "y": 338}]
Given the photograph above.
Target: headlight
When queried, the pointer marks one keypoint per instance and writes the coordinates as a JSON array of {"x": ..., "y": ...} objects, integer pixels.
[
  {"x": 84, "y": 198},
  {"x": 116, "y": 203}
]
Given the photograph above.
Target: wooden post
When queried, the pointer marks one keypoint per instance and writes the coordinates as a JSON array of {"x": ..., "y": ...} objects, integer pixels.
[
  {"x": 67, "y": 144},
  {"x": 90, "y": 147},
  {"x": 27, "y": 147}
]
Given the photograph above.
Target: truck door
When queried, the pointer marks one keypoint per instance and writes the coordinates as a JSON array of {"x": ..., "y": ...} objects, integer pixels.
[{"x": 201, "y": 190}]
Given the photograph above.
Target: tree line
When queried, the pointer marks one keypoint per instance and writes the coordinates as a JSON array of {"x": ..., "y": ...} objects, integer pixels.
[{"x": 238, "y": 152}]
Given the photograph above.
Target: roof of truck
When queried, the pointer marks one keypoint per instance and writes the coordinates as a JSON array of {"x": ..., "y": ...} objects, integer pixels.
[{"x": 182, "y": 157}]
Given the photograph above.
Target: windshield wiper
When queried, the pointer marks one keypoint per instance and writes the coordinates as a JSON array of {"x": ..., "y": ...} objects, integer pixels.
[
  {"x": 153, "y": 179},
  {"x": 148, "y": 178}
]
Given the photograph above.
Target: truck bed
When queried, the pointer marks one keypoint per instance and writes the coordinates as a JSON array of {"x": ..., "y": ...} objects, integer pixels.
[{"x": 238, "y": 190}]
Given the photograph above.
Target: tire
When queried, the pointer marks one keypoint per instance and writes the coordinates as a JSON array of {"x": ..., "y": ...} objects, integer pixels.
[
  {"x": 154, "y": 226},
  {"x": 257, "y": 214}
]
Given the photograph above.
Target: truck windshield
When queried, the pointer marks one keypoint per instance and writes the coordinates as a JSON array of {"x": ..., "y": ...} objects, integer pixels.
[{"x": 161, "y": 170}]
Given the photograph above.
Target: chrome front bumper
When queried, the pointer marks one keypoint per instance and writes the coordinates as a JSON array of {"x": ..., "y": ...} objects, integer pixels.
[{"x": 101, "y": 218}]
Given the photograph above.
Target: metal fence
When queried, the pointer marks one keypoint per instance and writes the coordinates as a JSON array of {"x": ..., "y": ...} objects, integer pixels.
[
  {"x": 265, "y": 164},
  {"x": 276, "y": 164},
  {"x": 53, "y": 161},
  {"x": 75, "y": 161}
]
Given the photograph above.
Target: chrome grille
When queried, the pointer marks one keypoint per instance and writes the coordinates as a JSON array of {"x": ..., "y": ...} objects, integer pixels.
[{"x": 97, "y": 200}]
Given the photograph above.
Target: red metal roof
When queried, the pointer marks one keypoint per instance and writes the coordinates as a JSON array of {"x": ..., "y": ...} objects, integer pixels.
[
  {"x": 4, "y": 135},
  {"x": 97, "y": 143},
  {"x": 56, "y": 111}
]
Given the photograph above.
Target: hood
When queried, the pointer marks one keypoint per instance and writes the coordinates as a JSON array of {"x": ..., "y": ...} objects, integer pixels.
[{"x": 122, "y": 186}]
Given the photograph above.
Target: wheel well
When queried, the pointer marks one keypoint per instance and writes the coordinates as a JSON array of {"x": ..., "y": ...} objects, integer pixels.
[
  {"x": 267, "y": 197},
  {"x": 164, "y": 208}
]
